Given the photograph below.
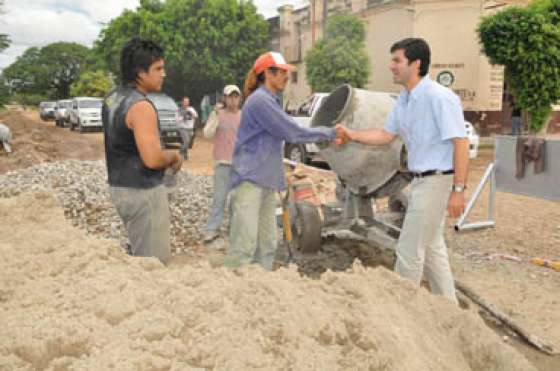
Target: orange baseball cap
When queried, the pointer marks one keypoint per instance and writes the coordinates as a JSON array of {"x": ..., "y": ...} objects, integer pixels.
[{"x": 272, "y": 59}]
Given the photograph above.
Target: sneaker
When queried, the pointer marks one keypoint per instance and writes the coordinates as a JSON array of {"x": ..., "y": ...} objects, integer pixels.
[{"x": 210, "y": 236}]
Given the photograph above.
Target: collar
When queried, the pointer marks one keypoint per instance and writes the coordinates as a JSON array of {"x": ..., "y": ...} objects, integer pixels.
[
  {"x": 268, "y": 92},
  {"x": 419, "y": 88}
]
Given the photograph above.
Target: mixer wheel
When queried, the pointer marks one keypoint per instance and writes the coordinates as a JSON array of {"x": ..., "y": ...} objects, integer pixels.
[{"x": 307, "y": 227}]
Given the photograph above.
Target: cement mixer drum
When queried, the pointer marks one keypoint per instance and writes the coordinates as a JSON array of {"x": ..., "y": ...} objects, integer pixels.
[{"x": 376, "y": 171}]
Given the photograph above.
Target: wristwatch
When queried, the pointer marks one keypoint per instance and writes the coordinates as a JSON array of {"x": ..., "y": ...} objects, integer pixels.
[{"x": 458, "y": 187}]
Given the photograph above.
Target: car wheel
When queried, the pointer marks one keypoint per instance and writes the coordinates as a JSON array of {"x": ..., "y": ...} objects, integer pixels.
[
  {"x": 80, "y": 127},
  {"x": 296, "y": 152}
]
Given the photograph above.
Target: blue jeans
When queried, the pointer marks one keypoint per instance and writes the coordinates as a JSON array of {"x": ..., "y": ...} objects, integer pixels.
[
  {"x": 221, "y": 181},
  {"x": 252, "y": 237}
]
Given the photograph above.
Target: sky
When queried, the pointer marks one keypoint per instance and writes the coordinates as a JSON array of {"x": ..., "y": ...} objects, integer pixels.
[{"x": 41, "y": 22}]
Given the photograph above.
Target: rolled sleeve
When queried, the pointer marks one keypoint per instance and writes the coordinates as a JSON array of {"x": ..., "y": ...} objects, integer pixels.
[
  {"x": 449, "y": 117},
  {"x": 280, "y": 125}
]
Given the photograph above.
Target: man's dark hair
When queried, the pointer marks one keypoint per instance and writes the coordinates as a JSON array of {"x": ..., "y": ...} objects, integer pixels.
[
  {"x": 415, "y": 49},
  {"x": 137, "y": 55}
]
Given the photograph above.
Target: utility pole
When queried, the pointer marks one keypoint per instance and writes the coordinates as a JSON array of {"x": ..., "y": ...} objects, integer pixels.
[
  {"x": 325, "y": 14},
  {"x": 313, "y": 23}
]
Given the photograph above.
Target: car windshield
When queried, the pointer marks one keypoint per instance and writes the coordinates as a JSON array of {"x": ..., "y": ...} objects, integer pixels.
[
  {"x": 49, "y": 104},
  {"x": 64, "y": 104},
  {"x": 90, "y": 104}
]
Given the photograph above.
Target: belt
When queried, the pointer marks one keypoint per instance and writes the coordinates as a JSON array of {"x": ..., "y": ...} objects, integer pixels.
[{"x": 432, "y": 172}]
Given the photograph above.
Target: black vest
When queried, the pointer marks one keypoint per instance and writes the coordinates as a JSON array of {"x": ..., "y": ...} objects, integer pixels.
[{"x": 124, "y": 165}]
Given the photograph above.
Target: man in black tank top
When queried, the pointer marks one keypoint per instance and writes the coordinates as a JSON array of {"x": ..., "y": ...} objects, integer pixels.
[{"x": 135, "y": 160}]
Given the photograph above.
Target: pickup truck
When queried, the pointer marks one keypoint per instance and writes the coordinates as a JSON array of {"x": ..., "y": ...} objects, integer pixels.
[
  {"x": 308, "y": 152},
  {"x": 85, "y": 114},
  {"x": 174, "y": 132}
]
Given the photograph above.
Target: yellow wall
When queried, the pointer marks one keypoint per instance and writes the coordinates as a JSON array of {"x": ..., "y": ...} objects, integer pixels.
[
  {"x": 449, "y": 26},
  {"x": 383, "y": 28}
]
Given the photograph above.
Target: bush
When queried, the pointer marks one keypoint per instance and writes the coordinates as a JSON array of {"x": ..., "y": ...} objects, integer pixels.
[{"x": 527, "y": 42}]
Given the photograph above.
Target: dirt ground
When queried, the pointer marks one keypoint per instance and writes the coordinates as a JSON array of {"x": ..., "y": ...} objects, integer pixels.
[
  {"x": 35, "y": 141},
  {"x": 525, "y": 228}
]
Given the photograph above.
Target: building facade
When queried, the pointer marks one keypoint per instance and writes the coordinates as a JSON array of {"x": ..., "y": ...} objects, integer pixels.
[{"x": 448, "y": 25}]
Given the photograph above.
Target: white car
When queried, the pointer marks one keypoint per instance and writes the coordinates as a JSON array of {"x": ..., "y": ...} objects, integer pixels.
[
  {"x": 86, "y": 114},
  {"x": 474, "y": 140},
  {"x": 305, "y": 152},
  {"x": 60, "y": 112}
]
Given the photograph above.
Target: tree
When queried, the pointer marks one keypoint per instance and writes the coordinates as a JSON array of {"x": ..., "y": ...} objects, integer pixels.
[
  {"x": 339, "y": 57},
  {"x": 48, "y": 71},
  {"x": 4, "y": 39},
  {"x": 207, "y": 43},
  {"x": 4, "y": 93},
  {"x": 526, "y": 41},
  {"x": 91, "y": 84}
]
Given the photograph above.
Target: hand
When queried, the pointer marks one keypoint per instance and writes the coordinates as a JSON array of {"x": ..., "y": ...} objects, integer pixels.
[
  {"x": 218, "y": 106},
  {"x": 342, "y": 135},
  {"x": 456, "y": 204},
  {"x": 176, "y": 161}
]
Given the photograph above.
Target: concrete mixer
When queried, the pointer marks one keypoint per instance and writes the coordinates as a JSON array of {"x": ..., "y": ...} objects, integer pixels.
[
  {"x": 365, "y": 173},
  {"x": 365, "y": 170}
]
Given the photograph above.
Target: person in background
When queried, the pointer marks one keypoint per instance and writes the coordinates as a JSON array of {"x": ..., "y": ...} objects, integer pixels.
[
  {"x": 6, "y": 138},
  {"x": 222, "y": 124},
  {"x": 188, "y": 113},
  {"x": 516, "y": 120},
  {"x": 257, "y": 172},
  {"x": 135, "y": 159}
]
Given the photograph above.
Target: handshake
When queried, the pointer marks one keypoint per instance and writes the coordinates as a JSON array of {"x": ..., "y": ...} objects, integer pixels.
[{"x": 343, "y": 135}]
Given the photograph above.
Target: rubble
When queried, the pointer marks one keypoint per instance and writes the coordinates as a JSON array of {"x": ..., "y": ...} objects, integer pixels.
[{"x": 81, "y": 189}]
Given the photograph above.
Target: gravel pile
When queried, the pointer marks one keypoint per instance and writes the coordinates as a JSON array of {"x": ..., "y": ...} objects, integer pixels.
[{"x": 81, "y": 188}]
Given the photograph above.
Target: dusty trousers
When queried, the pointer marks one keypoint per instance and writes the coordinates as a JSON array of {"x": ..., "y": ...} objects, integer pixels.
[
  {"x": 421, "y": 248},
  {"x": 252, "y": 237},
  {"x": 145, "y": 214}
]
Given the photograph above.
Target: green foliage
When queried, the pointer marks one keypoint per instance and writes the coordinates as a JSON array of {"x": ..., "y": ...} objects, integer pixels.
[
  {"x": 30, "y": 99},
  {"x": 48, "y": 71},
  {"x": 4, "y": 94},
  {"x": 338, "y": 58},
  {"x": 346, "y": 26},
  {"x": 527, "y": 42},
  {"x": 4, "y": 39},
  {"x": 91, "y": 84},
  {"x": 207, "y": 43}
]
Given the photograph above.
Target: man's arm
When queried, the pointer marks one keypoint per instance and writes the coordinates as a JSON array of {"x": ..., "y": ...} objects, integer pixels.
[
  {"x": 456, "y": 204},
  {"x": 372, "y": 137},
  {"x": 211, "y": 125},
  {"x": 142, "y": 120}
]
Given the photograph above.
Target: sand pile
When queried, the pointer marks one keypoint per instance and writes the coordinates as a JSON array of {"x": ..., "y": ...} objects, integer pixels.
[{"x": 71, "y": 301}]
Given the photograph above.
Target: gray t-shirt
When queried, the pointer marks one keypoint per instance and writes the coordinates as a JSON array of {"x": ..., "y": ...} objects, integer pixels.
[{"x": 6, "y": 137}]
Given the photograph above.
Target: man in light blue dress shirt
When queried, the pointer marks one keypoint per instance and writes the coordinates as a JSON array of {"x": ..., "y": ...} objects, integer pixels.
[{"x": 429, "y": 119}]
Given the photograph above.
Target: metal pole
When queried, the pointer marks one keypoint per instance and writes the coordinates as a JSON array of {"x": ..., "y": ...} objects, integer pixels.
[{"x": 488, "y": 175}]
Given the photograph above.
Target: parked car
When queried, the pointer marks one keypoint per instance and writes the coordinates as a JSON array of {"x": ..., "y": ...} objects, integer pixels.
[
  {"x": 46, "y": 110},
  {"x": 474, "y": 140},
  {"x": 305, "y": 152},
  {"x": 86, "y": 114},
  {"x": 60, "y": 111},
  {"x": 171, "y": 122}
]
